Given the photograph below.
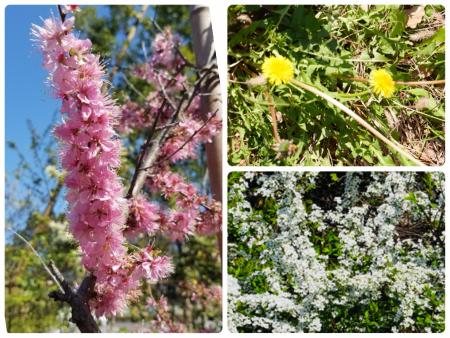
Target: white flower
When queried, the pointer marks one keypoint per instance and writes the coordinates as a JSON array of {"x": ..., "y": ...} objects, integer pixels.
[{"x": 305, "y": 285}]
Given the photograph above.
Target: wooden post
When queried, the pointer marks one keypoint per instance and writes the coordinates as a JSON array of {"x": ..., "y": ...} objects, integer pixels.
[{"x": 211, "y": 101}]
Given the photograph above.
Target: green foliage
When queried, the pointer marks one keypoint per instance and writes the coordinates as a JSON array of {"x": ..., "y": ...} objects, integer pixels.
[
  {"x": 27, "y": 306},
  {"x": 330, "y": 45}
]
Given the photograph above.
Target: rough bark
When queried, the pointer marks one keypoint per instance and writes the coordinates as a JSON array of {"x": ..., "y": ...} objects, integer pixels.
[{"x": 78, "y": 300}]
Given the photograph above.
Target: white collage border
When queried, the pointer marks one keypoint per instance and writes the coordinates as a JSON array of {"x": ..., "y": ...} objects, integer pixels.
[{"x": 218, "y": 12}]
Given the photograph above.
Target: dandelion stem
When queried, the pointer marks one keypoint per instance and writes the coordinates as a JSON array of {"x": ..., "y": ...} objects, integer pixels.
[
  {"x": 273, "y": 114},
  {"x": 402, "y": 83},
  {"x": 420, "y": 83},
  {"x": 395, "y": 146}
]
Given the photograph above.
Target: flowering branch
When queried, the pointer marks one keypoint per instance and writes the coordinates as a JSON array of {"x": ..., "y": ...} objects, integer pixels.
[
  {"x": 148, "y": 156},
  {"x": 168, "y": 157},
  {"x": 150, "y": 151},
  {"x": 90, "y": 155},
  {"x": 100, "y": 216}
]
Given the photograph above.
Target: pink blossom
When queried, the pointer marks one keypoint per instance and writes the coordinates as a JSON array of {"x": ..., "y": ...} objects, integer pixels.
[
  {"x": 196, "y": 212},
  {"x": 211, "y": 220},
  {"x": 161, "y": 303},
  {"x": 143, "y": 217},
  {"x": 151, "y": 266},
  {"x": 162, "y": 69},
  {"x": 132, "y": 116},
  {"x": 216, "y": 292},
  {"x": 187, "y": 136},
  {"x": 180, "y": 224},
  {"x": 163, "y": 318},
  {"x": 90, "y": 155},
  {"x": 71, "y": 8}
]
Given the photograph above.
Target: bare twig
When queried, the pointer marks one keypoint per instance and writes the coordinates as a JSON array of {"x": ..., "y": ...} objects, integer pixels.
[
  {"x": 62, "y": 14},
  {"x": 164, "y": 92},
  {"x": 23, "y": 239},
  {"x": 133, "y": 88},
  {"x": 169, "y": 125}
]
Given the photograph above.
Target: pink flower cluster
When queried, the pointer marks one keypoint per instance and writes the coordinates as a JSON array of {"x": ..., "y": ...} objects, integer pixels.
[
  {"x": 163, "y": 318},
  {"x": 151, "y": 266},
  {"x": 185, "y": 139},
  {"x": 90, "y": 155},
  {"x": 204, "y": 294},
  {"x": 143, "y": 217},
  {"x": 164, "y": 69},
  {"x": 137, "y": 117},
  {"x": 193, "y": 213},
  {"x": 133, "y": 115}
]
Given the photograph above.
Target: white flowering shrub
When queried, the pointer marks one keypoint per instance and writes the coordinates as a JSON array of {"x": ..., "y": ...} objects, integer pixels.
[{"x": 336, "y": 252}]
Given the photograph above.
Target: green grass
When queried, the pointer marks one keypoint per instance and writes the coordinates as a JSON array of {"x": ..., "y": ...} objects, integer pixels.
[{"x": 328, "y": 45}]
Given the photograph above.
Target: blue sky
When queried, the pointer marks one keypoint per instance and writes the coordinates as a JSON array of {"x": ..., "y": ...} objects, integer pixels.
[{"x": 26, "y": 95}]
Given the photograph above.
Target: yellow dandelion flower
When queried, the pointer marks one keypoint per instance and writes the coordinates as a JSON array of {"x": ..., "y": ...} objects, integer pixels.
[
  {"x": 278, "y": 70},
  {"x": 382, "y": 83}
]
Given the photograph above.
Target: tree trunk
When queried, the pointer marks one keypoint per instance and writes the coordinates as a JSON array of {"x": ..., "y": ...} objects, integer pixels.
[{"x": 203, "y": 43}]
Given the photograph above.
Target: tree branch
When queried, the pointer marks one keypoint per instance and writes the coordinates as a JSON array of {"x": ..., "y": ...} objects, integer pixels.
[
  {"x": 190, "y": 138},
  {"x": 78, "y": 300},
  {"x": 151, "y": 148}
]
